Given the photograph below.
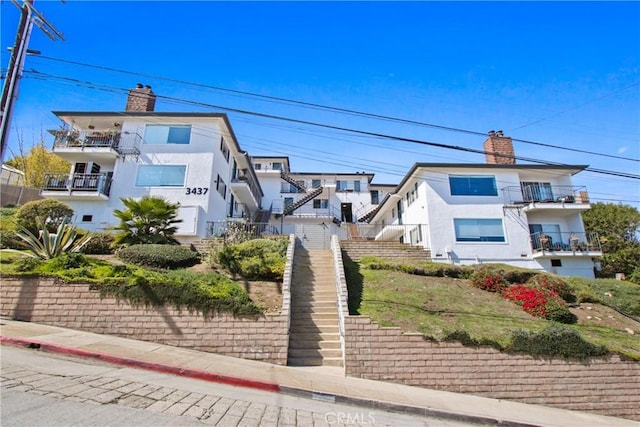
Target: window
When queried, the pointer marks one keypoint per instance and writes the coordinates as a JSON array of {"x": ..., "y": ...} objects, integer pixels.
[
  {"x": 288, "y": 201},
  {"x": 221, "y": 187},
  {"x": 161, "y": 175},
  {"x": 473, "y": 185},
  {"x": 315, "y": 183},
  {"x": 257, "y": 166},
  {"x": 347, "y": 185},
  {"x": 167, "y": 134},
  {"x": 320, "y": 203},
  {"x": 375, "y": 197},
  {"x": 479, "y": 230},
  {"x": 87, "y": 218},
  {"x": 224, "y": 149},
  {"x": 80, "y": 168},
  {"x": 277, "y": 166},
  {"x": 556, "y": 262},
  {"x": 412, "y": 194},
  {"x": 536, "y": 191},
  {"x": 393, "y": 212}
]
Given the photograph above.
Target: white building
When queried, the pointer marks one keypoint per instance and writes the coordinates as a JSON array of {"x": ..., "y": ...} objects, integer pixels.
[
  {"x": 314, "y": 204},
  {"x": 190, "y": 158},
  {"x": 498, "y": 212}
]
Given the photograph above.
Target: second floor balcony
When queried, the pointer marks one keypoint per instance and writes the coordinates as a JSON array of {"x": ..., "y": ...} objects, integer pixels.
[
  {"x": 74, "y": 144},
  {"x": 544, "y": 196},
  {"x": 89, "y": 186}
]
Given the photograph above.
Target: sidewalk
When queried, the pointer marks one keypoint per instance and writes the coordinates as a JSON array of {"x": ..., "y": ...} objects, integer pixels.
[{"x": 322, "y": 383}]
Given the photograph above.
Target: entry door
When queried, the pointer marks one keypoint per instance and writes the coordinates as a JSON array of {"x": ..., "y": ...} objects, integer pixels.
[{"x": 346, "y": 212}]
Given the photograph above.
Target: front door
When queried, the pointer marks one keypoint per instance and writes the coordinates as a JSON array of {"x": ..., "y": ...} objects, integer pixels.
[{"x": 346, "y": 212}]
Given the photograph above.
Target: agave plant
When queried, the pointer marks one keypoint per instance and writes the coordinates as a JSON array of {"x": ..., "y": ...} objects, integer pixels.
[{"x": 51, "y": 245}]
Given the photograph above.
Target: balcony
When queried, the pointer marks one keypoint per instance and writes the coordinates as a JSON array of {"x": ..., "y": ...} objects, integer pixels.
[
  {"x": 246, "y": 189},
  {"x": 90, "y": 186},
  {"x": 80, "y": 145},
  {"x": 542, "y": 197},
  {"x": 548, "y": 245}
]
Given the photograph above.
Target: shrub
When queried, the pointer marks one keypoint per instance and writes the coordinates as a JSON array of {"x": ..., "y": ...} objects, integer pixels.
[
  {"x": 51, "y": 211},
  {"x": 159, "y": 256},
  {"x": 255, "y": 259},
  {"x": 10, "y": 240},
  {"x": 488, "y": 280},
  {"x": 532, "y": 300},
  {"x": 555, "y": 340},
  {"x": 557, "y": 310},
  {"x": 552, "y": 283},
  {"x": 100, "y": 244},
  {"x": 150, "y": 220}
]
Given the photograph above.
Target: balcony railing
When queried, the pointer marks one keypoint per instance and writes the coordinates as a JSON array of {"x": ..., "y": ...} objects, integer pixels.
[
  {"x": 90, "y": 182},
  {"x": 572, "y": 242},
  {"x": 244, "y": 177},
  {"x": 526, "y": 194},
  {"x": 122, "y": 143}
]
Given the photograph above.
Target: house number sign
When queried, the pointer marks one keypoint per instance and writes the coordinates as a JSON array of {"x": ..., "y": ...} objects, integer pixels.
[{"x": 197, "y": 190}]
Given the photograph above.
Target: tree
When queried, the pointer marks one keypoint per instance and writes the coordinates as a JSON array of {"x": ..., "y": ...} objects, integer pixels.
[
  {"x": 148, "y": 220},
  {"x": 618, "y": 227},
  {"x": 37, "y": 163}
]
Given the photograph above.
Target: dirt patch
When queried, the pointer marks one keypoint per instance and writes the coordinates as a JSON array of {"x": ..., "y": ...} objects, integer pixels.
[{"x": 596, "y": 314}]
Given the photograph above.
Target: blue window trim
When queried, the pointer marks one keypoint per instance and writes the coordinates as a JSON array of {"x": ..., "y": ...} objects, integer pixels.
[{"x": 473, "y": 185}]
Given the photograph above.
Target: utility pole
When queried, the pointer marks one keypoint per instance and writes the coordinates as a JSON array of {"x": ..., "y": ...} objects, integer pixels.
[{"x": 28, "y": 17}]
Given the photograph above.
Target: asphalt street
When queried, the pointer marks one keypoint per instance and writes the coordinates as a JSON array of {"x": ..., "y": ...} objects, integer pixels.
[{"x": 43, "y": 389}]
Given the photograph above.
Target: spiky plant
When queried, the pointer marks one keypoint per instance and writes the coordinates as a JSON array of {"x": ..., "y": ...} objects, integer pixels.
[
  {"x": 51, "y": 245},
  {"x": 149, "y": 220}
]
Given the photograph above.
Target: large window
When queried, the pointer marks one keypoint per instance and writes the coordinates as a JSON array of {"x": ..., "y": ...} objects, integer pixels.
[
  {"x": 161, "y": 175},
  {"x": 479, "y": 230},
  {"x": 412, "y": 194},
  {"x": 342, "y": 185},
  {"x": 167, "y": 134},
  {"x": 473, "y": 185}
]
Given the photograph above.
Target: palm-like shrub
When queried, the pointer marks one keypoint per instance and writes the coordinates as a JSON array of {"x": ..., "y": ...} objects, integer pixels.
[
  {"x": 149, "y": 220},
  {"x": 51, "y": 245}
]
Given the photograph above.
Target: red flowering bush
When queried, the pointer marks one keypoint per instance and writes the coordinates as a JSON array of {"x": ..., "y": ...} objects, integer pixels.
[
  {"x": 532, "y": 300},
  {"x": 488, "y": 280},
  {"x": 540, "y": 302},
  {"x": 552, "y": 283}
]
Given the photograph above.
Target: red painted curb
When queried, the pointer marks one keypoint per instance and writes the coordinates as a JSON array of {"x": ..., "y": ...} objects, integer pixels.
[{"x": 141, "y": 364}]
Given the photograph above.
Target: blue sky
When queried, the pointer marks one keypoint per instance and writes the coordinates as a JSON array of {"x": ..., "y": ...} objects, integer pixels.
[{"x": 558, "y": 73}]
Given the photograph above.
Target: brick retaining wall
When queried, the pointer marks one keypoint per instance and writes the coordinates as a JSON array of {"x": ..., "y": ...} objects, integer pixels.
[
  {"x": 608, "y": 386},
  {"x": 75, "y": 306}
]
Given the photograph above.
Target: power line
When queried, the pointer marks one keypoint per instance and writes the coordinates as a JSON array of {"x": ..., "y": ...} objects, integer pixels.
[
  {"x": 344, "y": 129},
  {"x": 341, "y": 110}
]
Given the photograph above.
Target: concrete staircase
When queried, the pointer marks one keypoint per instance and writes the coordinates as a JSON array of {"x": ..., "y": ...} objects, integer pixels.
[
  {"x": 314, "y": 333},
  {"x": 356, "y": 249}
]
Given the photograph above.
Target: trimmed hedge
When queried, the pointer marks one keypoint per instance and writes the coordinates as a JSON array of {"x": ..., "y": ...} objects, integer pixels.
[
  {"x": 159, "y": 256},
  {"x": 258, "y": 259},
  {"x": 100, "y": 244}
]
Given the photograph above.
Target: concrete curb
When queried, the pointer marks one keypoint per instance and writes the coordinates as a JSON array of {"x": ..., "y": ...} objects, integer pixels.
[{"x": 141, "y": 364}]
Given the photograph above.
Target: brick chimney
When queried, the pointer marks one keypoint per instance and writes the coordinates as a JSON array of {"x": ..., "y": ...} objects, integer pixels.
[
  {"x": 141, "y": 98},
  {"x": 498, "y": 149}
]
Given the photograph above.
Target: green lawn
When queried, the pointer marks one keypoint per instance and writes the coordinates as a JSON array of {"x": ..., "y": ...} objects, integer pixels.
[{"x": 445, "y": 307}]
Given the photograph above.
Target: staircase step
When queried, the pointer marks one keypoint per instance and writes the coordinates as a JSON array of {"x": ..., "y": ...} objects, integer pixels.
[
  {"x": 314, "y": 317},
  {"x": 317, "y": 329},
  {"x": 311, "y": 344},
  {"x": 313, "y": 352}
]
